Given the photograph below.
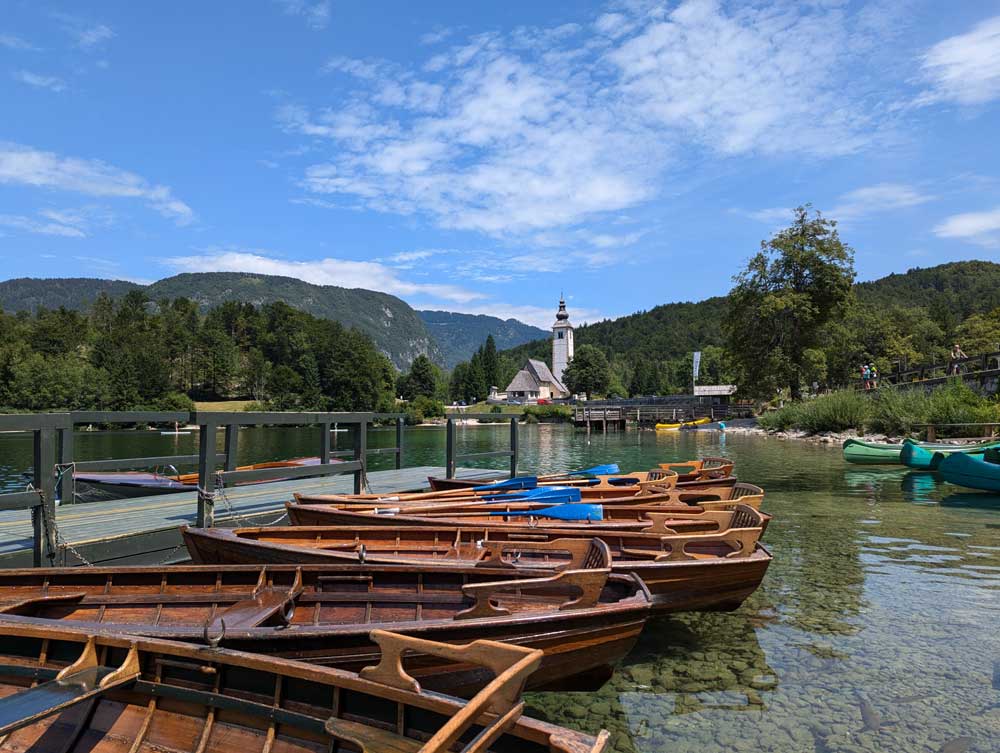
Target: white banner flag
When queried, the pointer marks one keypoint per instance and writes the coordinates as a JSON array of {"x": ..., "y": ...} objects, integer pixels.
[{"x": 697, "y": 363}]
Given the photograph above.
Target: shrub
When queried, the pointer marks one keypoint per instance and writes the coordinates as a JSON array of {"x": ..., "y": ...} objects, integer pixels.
[
  {"x": 549, "y": 413},
  {"x": 846, "y": 409},
  {"x": 780, "y": 419},
  {"x": 895, "y": 411}
]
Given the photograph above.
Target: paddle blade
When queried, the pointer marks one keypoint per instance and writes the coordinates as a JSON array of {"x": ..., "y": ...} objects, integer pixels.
[
  {"x": 552, "y": 494},
  {"x": 598, "y": 470},
  {"x": 568, "y": 511},
  {"x": 518, "y": 482}
]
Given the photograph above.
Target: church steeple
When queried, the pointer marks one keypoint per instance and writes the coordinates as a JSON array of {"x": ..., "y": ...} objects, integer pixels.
[{"x": 562, "y": 341}]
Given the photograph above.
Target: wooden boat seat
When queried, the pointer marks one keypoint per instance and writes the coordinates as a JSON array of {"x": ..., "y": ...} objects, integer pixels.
[
  {"x": 371, "y": 739},
  {"x": 29, "y": 607},
  {"x": 82, "y": 680},
  {"x": 264, "y": 604}
]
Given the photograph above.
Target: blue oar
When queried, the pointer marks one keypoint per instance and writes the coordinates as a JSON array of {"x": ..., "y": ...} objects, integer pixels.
[
  {"x": 518, "y": 482},
  {"x": 541, "y": 494},
  {"x": 560, "y": 512},
  {"x": 597, "y": 470}
]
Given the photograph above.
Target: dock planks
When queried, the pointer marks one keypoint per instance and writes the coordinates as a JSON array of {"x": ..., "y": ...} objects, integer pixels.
[{"x": 144, "y": 530}]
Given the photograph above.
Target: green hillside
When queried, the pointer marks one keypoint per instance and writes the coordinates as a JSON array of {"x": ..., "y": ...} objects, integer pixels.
[
  {"x": 910, "y": 317},
  {"x": 458, "y": 335},
  {"x": 392, "y": 324}
]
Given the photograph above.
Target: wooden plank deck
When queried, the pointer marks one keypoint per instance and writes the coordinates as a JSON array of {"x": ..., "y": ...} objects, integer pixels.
[{"x": 144, "y": 530}]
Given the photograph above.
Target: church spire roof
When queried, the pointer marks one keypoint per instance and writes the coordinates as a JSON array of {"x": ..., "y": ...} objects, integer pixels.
[{"x": 562, "y": 315}]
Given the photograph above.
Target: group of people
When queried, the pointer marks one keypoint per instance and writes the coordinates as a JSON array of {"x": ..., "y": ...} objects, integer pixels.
[{"x": 869, "y": 376}]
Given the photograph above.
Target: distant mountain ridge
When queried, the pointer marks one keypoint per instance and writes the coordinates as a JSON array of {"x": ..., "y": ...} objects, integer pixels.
[
  {"x": 460, "y": 334},
  {"x": 396, "y": 328}
]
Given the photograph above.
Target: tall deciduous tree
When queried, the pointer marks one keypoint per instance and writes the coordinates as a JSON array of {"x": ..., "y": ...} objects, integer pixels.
[
  {"x": 588, "y": 371},
  {"x": 798, "y": 282}
]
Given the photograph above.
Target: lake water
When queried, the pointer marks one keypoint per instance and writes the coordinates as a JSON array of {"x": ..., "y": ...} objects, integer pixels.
[{"x": 879, "y": 596}]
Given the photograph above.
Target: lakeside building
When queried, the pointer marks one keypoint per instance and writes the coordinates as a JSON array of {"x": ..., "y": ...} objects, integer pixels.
[{"x": 536, "y": 381}]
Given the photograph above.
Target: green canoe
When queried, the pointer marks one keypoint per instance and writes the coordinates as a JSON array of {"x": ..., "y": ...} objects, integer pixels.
[
  {"x": 927, "y": 459},
  {"x": 872, "y": 453}
]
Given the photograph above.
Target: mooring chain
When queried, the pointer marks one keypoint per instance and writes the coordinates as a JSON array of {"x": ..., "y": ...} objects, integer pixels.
[
  {"x": 220, "y": 492},
  {"x": 49, "y": 526}
]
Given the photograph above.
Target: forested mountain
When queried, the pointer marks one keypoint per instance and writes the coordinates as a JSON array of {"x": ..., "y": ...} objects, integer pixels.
[
  {"x": 74, "y": 293},
  {"x": 458, "y": 335},
  {"x": 136, "y": 354},
  {"x": 392, "y": 324},
  {"x": 911, "y": 318}
]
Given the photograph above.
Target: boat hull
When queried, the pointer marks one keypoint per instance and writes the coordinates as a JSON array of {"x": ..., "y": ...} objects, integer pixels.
[
  {"x": 715, "y": 584},
  {"x": 971, "y": 471},
  {"x": 872, "y": 453}
]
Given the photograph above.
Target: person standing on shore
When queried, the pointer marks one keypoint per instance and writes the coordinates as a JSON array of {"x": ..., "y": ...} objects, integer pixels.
[{"x": 956, "y": 354}]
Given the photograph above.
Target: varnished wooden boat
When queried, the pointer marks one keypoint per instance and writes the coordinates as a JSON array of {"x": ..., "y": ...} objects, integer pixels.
[
  {"x": 723, "y": 497},
  {"x": 689, "y": 481},
  {"x": 63, "y": 690},
  {"x": 682, "y": 572},
  {"x": 662, "y": 519},
  {"x": 700, "y": 470},
  {"x": 584, "y": 621}
]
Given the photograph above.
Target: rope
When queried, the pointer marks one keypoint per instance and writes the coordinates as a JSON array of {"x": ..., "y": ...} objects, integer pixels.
[{"x": 49, "y": 526}]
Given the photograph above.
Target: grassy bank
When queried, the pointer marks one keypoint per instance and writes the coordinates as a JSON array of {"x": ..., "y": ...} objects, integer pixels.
[{"x": 886, "y": 411}]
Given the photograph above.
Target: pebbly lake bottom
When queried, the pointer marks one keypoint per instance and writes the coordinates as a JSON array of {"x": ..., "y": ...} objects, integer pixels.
[{"x": 877, "y": 627}]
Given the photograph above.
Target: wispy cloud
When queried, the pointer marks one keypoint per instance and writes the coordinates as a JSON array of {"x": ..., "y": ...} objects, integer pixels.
[
  {"x": 25, "y": 166},
  {"x": 853, "y": 205},
  {"x": 964, "y": 69},
  {"x": 316, "y": 14},
  {"x": 437, "y": 36},
  {"x": 882, "y": 197},
  {"x": 52, "y": 83},
  {"x": 542, "y": 129},
  {"x": 982, "y": 228},
  {"x": 14, "y": 42},
  {"x": 345, "y": 273},
  {"x": 87, "y": 35},
  {"x": 66, "y": 223}
]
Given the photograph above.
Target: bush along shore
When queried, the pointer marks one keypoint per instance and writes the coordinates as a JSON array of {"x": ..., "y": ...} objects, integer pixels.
[{"x": 884, "y": 413}]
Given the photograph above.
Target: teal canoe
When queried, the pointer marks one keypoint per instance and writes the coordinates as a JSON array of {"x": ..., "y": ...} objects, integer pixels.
[
  {"x": 927, "y": 458},
  {"x": 973, "y": 471},
  {"x": 872, "y": 453}
]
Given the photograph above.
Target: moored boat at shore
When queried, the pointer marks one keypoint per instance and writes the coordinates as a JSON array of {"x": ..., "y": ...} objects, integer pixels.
[
  {"x": 584, "y": 620},
  {"x": 682, "y": 572},
  {"x": 928, "y": 458},
  {"x": 974, "y": 471},
  {"x": 65, "y": 690}
]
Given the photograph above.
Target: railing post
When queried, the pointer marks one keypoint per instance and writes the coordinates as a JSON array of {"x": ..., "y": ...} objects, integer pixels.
[
  {"x": 324, "y": 444},
  {"x": 399, "y": 443},
  {"x": 360, "y": 454},
  {"x": 206, "y": 469},
  {"x": 232, "y": 437},
  {"x": 45, "y": 482},
  {"x": 931, "y": 433},
  {"x": 66, "y": 461},
  {"x": 449, "y": 449},
  {"x": 513, "y": 446}
]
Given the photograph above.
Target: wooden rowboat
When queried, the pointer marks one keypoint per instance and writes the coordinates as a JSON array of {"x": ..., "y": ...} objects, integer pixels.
[
  {"x": 583, "y": 620},
  {"x": 683, "y": 572},
  {"x": 700, "y": 470},
  {"x": 64, "y": 690},
  {"x": 438, "y": 483},
  {"x": 723, "y": 497},
  {"x": 660, "y": 519}
]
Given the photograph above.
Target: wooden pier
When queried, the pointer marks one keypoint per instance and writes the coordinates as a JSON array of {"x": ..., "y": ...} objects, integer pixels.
[
  {"x": 144, "y": 530},
  {"x": 644, "y": 412}
]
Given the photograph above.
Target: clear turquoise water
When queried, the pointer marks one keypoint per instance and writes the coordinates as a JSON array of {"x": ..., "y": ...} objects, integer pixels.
[{"x": 878, "y": 595}]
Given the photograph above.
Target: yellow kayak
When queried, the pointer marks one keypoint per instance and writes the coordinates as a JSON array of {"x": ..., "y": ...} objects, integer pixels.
[{"x": 682, "y": 424}]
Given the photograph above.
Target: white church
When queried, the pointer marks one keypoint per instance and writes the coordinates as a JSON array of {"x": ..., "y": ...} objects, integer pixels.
[{"x": 536, "y": 381}]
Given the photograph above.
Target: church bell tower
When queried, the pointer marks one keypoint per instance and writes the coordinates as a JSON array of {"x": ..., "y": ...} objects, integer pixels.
[{"x": 562, "y": 341}]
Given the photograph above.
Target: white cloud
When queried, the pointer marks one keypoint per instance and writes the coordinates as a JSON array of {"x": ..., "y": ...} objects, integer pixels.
[
  {"x": 51, "y": 83},
  {"x": 964, "y": 69},
  {"x": 343, "y": 273},
  {"x": 14, "y": 42},
  {"x": 89, "y": 37},
  {"x": 882, "y": 197},
  {"x": 436, "y": 36},
  {"x": 316, "y": 14},
  {"x": 545, "y": 129},
  {"x": 40, "y": 227},
  {"x": 982, "y": 228},
  {"x": 22, "y": 165},
  {"x": 67, "y": 223},
  {"x": 853, "y": 205}
]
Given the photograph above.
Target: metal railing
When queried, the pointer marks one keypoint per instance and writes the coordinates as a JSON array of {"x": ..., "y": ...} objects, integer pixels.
[{"x": 451, "y": 458}]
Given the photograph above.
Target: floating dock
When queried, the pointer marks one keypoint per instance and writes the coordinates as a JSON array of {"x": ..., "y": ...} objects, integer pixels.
[{"x": 144, "y": 530}]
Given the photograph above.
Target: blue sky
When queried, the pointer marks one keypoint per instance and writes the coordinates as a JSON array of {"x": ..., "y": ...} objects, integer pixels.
[{"x": 482, "y": 157}]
